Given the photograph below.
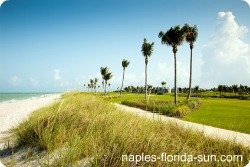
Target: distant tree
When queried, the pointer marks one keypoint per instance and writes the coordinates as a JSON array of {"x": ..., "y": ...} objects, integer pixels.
[
  {"x": 109, "y": 86},
  {"x": 147, "y": 50},
  {"x": 196, "y": 89},
  {"x": 150, "y": 87},
  {"x": 174, "y": 38},
  {"x": 163, "y": 83},
  {"x": 125, "y": 64},
  {"x": 106, "y": 78},
  {"x": 220, "y": 89},
  {"x": 89, "y": 86},
  {"x": 191, "y": 34},
  {"x": 242, "y": 88},
  {"x": 84, "y": 85},
  {"x": 103, "y": 71},
  {"x": 92, "y": 83},
  {"x": 95, "y": 83}
]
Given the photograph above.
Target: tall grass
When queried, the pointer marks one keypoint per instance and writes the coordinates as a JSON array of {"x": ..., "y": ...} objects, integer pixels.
[
  {"x": 86, "y": 128},
  {"x": 164, "y": 107}
]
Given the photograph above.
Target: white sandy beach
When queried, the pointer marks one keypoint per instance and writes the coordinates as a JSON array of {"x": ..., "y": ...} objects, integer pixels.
[{"x": 12, "y": 113}]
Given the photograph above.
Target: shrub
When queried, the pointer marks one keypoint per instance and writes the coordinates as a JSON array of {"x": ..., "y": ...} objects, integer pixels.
[{"x": 163, "y": 107}]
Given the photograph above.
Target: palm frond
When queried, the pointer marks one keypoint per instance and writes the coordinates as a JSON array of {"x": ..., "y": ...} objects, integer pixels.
[
  {"x": 147, "y": 48},
  {"x": 125, "y": 63}
]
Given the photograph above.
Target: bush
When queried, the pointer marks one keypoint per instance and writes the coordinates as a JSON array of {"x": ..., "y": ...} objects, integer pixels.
[{"x": 163, "y": 107}]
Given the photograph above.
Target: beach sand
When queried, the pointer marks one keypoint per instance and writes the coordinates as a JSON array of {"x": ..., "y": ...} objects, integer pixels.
[{"x": 12, "y": 113}]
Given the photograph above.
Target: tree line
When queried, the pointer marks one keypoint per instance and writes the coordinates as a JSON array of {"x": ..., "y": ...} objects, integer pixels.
[{"x": 241, "y": 89}]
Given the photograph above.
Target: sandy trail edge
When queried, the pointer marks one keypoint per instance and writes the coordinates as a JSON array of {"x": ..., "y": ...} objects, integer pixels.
[
  {"x": 12, "y": 113},
  {"x": 237, "y": 137}
]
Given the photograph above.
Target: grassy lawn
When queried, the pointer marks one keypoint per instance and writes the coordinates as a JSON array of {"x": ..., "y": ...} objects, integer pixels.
[
  {"x": 232, "y": 114},
  {"x": 84, "y": 128}
]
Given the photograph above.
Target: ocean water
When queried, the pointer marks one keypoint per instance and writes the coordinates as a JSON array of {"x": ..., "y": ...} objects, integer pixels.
[{"x": 10, "y": 97}]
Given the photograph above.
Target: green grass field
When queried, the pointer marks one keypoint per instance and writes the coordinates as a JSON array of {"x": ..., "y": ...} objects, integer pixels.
[{"x": 231, "y": 114}]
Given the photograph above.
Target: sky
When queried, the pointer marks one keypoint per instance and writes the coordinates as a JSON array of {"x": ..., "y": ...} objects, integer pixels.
[{"x": 58, "y": 45}]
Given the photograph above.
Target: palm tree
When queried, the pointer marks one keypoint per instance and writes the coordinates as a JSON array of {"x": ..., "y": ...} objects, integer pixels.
[
  {"x": 220, "y": 89},
  {"x": 91, "y": 84},
  {"x": 109, "y": 86},
  {"x": 173, "y": 37},
  {"x": 88, "y": 87},
  {"x": 103, "y": 71},
  {"x": 107, "y": 77},
  {"x": 191, "y": 34},
  {"x": 163, "y": 83},
  {"x": 235, "y": 89},
  {"x": 125, "y": 64},
  {"x": 84, "y": 85},
  {"x": 147, "y": 50},
  {"x": 95, "y": 83}
]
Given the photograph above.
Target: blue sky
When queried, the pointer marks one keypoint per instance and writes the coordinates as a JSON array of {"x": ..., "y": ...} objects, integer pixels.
[{"x": 56, "y": 45}]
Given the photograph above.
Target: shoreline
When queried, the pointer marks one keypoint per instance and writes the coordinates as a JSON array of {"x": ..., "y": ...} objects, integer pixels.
[
  {"x": 29, "y": 97},
  {"x": 12, "y": 113}
]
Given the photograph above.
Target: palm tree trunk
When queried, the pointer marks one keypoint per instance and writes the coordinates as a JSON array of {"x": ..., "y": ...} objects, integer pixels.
[
  {"x": 190, "y": 75},
  {"x": 105, "y": 87},
  {"x": 103, "y": 84},
  {"x": 146, "y": 78},
  {"x": 122, "y": 81},
  {"x": 175, "y": 80}
]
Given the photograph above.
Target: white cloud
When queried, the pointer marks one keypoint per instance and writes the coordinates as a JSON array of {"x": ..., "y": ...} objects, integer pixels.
[
  {"x": 226, "y": 57},
  {"x": 15, "y": 80},
  {"x": 33, "y": 82},
  {"x": 165, "y": 72},
  {"x": 247, "y": 1},
  {"x": 162, "y": 66},
  {"x": 58, "y": 78},
  {"x": 2, "y": 1}
]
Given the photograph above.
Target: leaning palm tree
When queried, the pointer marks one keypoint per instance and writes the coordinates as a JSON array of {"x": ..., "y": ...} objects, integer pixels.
[
  {"x": 191, "y": 34},
  {"x": 103, "y": 71},
  {"x": 125, "y": 64},
  {"x": 107, "y": 77},
  {"x": 147, "y": 50},
  {"x": 173, "y": 37}
]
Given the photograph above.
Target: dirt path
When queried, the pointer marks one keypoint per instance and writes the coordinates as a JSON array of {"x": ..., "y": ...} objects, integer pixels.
[{"x": 210, "y": 131}]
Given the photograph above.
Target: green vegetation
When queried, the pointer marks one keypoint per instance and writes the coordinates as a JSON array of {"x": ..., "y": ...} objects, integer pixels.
[
  {"x": 231, "y": 114},
  {"x": 163, "y": 107},
  {"x": 191, "y": 34},
  {"x": 125, "y": 64},
  {"x": 88, "y": 128},
  {"x": 173, "y": 38},
  {"x": 147, "y": 51},
  {"x": 106, "y": 76}
]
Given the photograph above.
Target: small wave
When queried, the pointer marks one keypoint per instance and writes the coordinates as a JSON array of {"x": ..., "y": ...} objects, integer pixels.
[{"x": 8, "y": 101}]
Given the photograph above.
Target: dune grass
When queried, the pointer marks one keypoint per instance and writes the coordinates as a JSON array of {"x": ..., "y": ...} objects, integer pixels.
[{"x": 88, "y": 128}]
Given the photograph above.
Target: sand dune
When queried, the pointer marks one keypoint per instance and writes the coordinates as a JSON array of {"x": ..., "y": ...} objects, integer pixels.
[{"x": 12, "y": 113}]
